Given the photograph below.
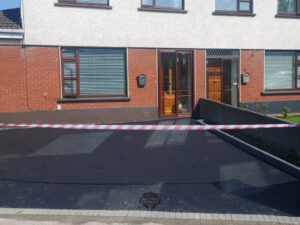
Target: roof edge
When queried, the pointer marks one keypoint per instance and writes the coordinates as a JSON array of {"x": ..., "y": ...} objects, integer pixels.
[
  {"x": 11, "y": 31},
  {"x": 17, "y": 34}
]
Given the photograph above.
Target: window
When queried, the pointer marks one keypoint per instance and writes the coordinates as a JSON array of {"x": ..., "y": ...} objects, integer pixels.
[
  {"x": 282, "y": 70},
  {"x": 86, "y": 2},
  {"x": 289, "y": 7},
  {"x": 169, "y": 4},
  {"x": 234, "y": 6},
  {"x": 89, "y": 72}
]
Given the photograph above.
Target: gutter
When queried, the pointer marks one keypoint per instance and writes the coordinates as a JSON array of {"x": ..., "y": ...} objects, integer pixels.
[{"x": 16, "y": 34}]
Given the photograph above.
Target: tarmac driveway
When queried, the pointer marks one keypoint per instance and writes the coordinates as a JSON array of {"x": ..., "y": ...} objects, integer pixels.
[{"x": 193, "y": 171}]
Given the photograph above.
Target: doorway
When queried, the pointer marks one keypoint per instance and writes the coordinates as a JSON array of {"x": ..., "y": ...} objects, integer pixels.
[
  {"x": 223, "y": 80},
  {"x": 175, "y": 83}
]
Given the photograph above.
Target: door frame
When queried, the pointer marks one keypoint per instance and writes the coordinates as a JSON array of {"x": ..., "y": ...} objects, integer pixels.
[{"x": 160, "y": 75}]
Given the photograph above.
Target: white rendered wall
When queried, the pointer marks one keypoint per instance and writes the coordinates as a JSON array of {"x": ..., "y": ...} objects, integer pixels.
[{"x": 125, "y": 26}]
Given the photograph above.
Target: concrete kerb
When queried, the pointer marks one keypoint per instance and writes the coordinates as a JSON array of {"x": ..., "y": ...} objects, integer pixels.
[{"x": 153, "y": 215}]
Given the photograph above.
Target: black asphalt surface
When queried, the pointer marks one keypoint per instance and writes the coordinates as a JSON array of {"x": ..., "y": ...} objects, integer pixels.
[{"x": 193, "y": 171}]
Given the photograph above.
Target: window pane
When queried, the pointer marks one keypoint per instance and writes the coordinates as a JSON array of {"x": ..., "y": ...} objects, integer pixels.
[
  {"x": 298, "y": 70},
  {"x": 226, "y": 5},
  {"x": 69, "y": 53},
  {"x": 102, "y": 71},
  {"x": 298, "y": 83},
  {"x": 70, "y": 87},
  {"x": 94, "y": 1},
  {"x": 287, "y": 6},
  {"x": 245, "y": 6},
  {"x": 169, "y": 3},
  {"x": 279, "y": 70},
  {"x": 70, "y": 69},
  {"x": 147, "y": 2}
]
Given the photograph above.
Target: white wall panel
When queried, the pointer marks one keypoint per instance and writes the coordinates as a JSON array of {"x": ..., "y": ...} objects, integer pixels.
[{"x": 125, "y": 26}]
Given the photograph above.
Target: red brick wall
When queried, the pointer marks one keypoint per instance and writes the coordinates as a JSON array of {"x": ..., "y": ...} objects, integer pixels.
[
  {"x": 43, "y": 81},
  {"x": 140, "y": 61},
  {"x": 41, "y": 88},
  {"x": 43, "y": 77},
  {"x": 199, "y": 75},
  {"x": 12, "y": 79},
  {"x": 252, "y": 61}
]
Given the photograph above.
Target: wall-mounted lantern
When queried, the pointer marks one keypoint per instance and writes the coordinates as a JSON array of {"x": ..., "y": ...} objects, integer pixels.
[
  {"x": 245, "y": 78},
  {"x": 141, "y": 79}
]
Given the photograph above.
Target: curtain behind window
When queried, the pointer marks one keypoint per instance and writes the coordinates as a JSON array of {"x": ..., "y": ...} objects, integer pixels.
[
  {"x": 279, "y": 70},
  {"x": 102, "y": 71},
  {"x": 287, "y": 6}
]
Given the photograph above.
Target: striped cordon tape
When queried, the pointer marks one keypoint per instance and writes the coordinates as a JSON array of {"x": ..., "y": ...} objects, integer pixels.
[{"x": 150, "y": 127}]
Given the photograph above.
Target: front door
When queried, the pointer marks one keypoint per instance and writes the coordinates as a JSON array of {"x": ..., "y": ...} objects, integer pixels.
[
  {"x": 222, "y": 80},
  {"x": 214, "y": 79},
  {"x": 175, "y": 83}
]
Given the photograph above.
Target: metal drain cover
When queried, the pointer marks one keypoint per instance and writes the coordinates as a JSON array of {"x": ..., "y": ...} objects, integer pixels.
[{"x": 150, "y": 200}]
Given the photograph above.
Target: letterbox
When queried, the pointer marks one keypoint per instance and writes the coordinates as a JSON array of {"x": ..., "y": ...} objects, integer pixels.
[
  {"x": 245, "y": 78},
  {"x": 141, "y": 79}
]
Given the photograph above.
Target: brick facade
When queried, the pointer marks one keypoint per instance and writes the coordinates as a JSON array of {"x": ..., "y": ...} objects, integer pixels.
[
  {"x": 41, "y": 89},
  {"x": 252, "y": 61},
  {"x": 13, "y": 95},
  {"x": 200, "y": 81},
  {"x": 140, "y": 61},
  {"x": 42, "y": 65},
  {"x": 30, "y": 79}
]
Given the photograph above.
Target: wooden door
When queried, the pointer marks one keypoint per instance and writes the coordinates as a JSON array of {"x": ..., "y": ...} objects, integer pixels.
[{"x": 214, "y": 79}]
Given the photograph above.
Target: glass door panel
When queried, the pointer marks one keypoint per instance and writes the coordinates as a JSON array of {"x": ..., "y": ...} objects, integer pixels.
[
  {"x": 230, "y": 82},
  {"x": 227, "y": 82},
  {"x": 184, "y": 83},
  {"x": 168, "y": 84}
]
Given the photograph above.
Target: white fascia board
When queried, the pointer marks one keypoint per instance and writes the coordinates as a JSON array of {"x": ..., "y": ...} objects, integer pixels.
[{"x": 11, "y": 34}]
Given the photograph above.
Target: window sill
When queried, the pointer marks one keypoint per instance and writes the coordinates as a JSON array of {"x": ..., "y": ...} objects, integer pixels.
[
  {"x": 82, "y": 5},
  {"x": 266, "y": 93},
  {"x": 163, "y": 10},
  {"x": 233, "y": 14},
  {"x": 287, "y": 16},
  {"x": 98, "y": 99}
]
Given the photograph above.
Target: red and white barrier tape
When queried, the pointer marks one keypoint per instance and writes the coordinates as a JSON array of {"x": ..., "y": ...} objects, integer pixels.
[{"x": 150, "y": 127}]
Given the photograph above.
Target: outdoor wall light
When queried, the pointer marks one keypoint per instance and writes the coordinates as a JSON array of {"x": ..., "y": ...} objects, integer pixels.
[
  {"x": 141, "y": 79},
  {"x": 245, "y": 78}
]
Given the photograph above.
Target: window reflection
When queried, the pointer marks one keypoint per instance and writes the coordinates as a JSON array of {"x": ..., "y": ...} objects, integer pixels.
[
  {"x": 226, "y": 5},
  {"x": 178, "y": 4}
]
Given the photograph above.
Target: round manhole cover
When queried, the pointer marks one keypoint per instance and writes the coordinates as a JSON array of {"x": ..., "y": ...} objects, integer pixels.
[{"x": 150, "y": 200}]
